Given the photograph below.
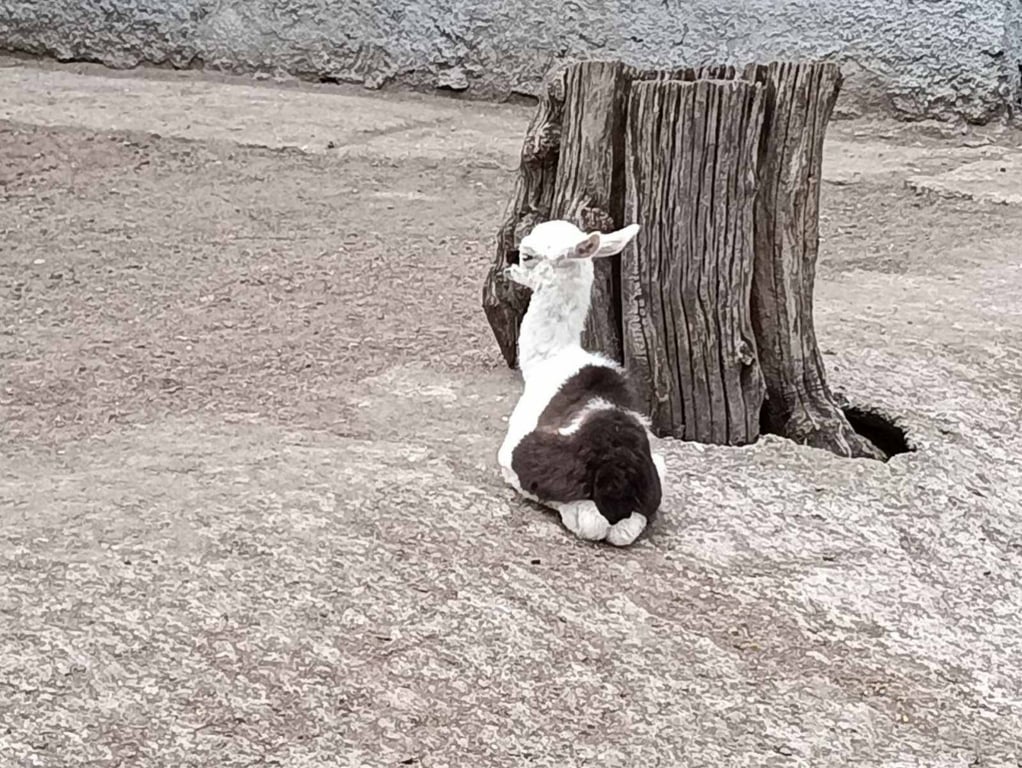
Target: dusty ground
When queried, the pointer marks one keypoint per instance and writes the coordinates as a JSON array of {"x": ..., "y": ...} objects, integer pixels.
[{"x": 250, "y": 512}]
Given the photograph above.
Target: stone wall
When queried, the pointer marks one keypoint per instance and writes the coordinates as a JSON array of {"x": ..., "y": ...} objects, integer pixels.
[
  {"x": 1013, "y": 50},
  {"x": 919, "y": 58}
]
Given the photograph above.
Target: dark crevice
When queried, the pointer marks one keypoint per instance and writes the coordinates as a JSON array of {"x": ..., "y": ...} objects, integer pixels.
[
  {"x": 884, "y": 431},
  {"x": 767, "y": 425},
  {"x": 880, "y": 429}
]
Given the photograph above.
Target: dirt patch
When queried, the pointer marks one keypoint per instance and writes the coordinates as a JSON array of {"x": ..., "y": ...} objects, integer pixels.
[{"x": 145, "y": 275}]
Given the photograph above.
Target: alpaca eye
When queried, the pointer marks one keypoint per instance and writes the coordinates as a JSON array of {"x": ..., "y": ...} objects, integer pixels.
[{"x": 526, "y": 257}]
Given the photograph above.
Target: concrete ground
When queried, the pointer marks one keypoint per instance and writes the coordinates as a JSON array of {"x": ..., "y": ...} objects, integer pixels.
[{"x": 249, "y": 410}]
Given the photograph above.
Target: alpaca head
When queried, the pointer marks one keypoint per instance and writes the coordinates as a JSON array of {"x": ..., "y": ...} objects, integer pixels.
[{"x": 558, "y": 251}]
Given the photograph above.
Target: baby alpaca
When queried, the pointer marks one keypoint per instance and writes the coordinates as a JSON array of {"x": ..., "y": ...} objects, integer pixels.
[{"x": 575, "y": 441}]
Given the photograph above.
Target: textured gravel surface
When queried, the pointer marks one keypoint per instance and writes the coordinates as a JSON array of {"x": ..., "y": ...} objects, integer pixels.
[{"x": 249, "y": 409}]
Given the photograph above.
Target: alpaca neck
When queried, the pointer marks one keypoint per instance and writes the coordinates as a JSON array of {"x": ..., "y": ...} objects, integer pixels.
[{"x": 555, "y": 319}]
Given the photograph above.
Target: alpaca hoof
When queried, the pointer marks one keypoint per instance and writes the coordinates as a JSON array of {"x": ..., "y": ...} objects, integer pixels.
[
  {"x": 584, "y": 520},
  {"x": 626, "y": 531}
]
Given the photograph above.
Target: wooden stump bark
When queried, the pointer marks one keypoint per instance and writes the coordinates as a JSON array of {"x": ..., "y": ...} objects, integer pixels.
[
  {"x": 590, "y": 186},
  {"x": 691, "y": 179},
  {"x": 799, "y": 405},
  {"x": 505, "y": 302}
]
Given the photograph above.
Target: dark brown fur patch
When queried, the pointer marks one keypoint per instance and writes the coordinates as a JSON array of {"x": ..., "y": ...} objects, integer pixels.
[
  {"x": 590, "y": 383},
  {"x": 607, "y": 460}
]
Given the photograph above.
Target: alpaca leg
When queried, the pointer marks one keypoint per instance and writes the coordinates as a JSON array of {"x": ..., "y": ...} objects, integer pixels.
[
  {"x": 512, "y": 479},
  {"x": 661, "y": 469},
  {"x": 624, "y": 532},
  {"x": 583, "y": 519},
  {"x": 504, "y": 457}
]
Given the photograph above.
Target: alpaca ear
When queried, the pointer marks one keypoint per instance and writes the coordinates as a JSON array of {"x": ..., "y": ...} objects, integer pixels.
[
  {"x": 587, "y": 248},
  {"x": 613, "y": 243}
]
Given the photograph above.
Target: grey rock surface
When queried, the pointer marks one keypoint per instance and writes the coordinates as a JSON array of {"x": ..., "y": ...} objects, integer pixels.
[
  {"x": 944, "y": 59},
  {"x": 1014, "y": 53},
  {"x": 993, "y": 181},
  {"x": 250, "y": 513}
]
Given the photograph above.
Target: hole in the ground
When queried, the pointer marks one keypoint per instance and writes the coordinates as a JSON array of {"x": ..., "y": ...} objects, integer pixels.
[{"x": 881, "y": 430}]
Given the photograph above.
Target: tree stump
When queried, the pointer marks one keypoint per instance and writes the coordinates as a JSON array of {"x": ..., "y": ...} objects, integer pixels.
[
  {"x": 688, "y": 337},
  {"x": 677, "y": 307},
  {"x": 505, "y": 302},
  {"x": 799, "y": 404},
  {"x": 572, "y": 168},
  {"x": 589, "y": 191}
]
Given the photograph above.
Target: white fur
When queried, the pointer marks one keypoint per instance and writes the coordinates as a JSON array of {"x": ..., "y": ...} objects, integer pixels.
[
  {"x": 661, "y": 467},
  {"x": 583, "y": 519},
  {"x": 556, "y": 321},
  {"x": 594, "y": 405},
  {"x": 556, "y": 263},
  {"x": 624, "y": 532}
]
